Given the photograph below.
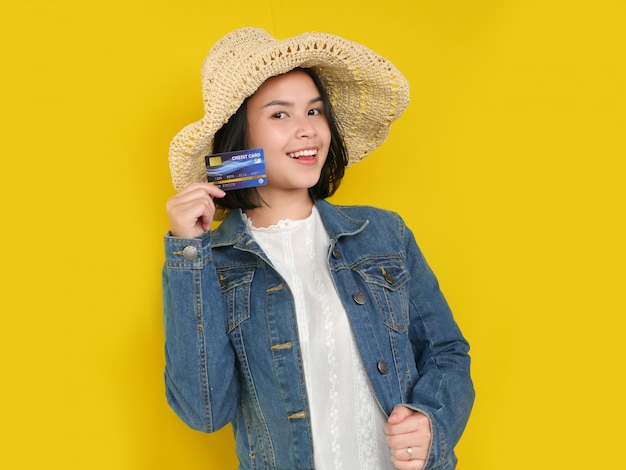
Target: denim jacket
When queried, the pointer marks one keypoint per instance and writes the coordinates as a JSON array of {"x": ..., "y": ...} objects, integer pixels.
[{"x": 232, "y": 349}]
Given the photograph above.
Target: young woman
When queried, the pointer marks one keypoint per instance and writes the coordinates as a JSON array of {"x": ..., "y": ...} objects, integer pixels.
[{"x": 318, "y": 331}]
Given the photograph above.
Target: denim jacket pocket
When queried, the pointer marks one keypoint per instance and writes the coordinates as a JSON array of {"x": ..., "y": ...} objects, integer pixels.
[
  {"x": 235, "y": 285},
  {"x": 387, "y": 278}
]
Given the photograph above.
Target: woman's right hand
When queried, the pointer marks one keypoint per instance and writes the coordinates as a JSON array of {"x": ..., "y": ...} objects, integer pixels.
[{"x": 191, "y": 211}]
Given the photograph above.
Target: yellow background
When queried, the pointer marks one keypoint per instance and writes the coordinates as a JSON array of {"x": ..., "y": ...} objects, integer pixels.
[{"x": 509, "y": 165}]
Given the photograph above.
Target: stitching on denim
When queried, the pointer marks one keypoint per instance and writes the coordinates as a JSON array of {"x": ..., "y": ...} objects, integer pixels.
[
  {"x": 197, "y": 283},
  {"x": 262, "y": 435}
]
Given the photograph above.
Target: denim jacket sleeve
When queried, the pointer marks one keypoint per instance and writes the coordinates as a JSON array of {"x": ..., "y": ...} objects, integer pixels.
[
  {"x": 200, "y": 377},
  {"x": 442, "y": 359}
]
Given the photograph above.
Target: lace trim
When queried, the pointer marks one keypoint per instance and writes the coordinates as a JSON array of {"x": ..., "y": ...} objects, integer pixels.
[{"x": 281, "y": 225}]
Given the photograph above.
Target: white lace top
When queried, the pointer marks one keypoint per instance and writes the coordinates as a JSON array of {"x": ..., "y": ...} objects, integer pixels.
[{"x": 347, "y": 422}]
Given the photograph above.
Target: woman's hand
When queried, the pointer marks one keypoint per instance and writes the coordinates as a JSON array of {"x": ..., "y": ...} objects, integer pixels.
[
  {"x": 408, "y": 436},
  {"x": 191, "y": 211}
]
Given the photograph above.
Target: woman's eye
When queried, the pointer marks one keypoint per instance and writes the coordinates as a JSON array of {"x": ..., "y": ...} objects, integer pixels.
[
  {"x": 315, "y": 112},
  {"x": 279, "y": 115}
]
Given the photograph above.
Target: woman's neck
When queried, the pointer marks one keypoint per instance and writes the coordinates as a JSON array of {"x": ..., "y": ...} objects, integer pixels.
[{"x": 273, "y": 209}]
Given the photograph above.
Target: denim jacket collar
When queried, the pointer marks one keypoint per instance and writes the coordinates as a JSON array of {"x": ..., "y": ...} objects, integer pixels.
[{"x": 232, "y": 231}]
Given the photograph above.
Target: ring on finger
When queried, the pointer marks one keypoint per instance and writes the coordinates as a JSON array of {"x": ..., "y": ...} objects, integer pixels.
[{"x": 409, "y": 450}]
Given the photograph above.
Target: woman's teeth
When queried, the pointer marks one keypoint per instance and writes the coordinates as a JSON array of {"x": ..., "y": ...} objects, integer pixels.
[{"x": 302, "y": 153}]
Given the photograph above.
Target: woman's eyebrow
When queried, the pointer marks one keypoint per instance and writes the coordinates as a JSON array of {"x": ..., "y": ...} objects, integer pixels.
[{"x": 289, "y": 103}]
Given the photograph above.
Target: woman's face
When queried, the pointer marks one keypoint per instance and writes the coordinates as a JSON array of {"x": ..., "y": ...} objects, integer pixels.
[{"x": 286, "y": 118}]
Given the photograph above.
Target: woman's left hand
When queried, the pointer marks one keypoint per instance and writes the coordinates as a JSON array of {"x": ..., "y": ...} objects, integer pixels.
[{"x": 408, "y": 436}]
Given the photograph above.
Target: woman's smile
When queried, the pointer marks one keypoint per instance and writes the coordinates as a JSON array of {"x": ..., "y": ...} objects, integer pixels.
[{"x": 303, "y": 154}]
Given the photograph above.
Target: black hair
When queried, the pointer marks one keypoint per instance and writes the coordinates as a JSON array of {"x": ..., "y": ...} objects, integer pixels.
[{"x": 232, "y": 136}]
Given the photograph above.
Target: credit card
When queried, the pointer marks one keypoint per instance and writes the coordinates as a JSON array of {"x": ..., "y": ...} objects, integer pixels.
[{"x": 236, "y": 170}]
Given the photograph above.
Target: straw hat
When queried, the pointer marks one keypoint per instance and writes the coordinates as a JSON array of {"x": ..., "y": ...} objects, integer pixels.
[{"x": 366, "y": 91}]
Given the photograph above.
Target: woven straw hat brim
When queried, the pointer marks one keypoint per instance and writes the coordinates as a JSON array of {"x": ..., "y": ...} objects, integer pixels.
[{"x": 366, "y": 91}]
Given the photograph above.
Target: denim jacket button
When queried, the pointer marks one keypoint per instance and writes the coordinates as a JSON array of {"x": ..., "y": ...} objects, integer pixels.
[
  {"x": 383, "y": 367},
  {"x": 389, "y": 278},
  {"x": 190, "y": 253},
  {"x": 359, "y": 298},
  {"x": 336, "y": 252}
]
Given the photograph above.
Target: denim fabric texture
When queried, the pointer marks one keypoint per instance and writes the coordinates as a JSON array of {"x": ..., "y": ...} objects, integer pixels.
[{"x": 232, "y": 349}]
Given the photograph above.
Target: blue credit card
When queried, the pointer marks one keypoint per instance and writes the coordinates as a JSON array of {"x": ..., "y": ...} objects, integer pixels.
[{"x": 236, "y": 170}]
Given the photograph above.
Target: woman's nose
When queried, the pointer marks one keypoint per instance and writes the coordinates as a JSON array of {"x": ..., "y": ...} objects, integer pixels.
[{"x": 304, "y": 127}]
